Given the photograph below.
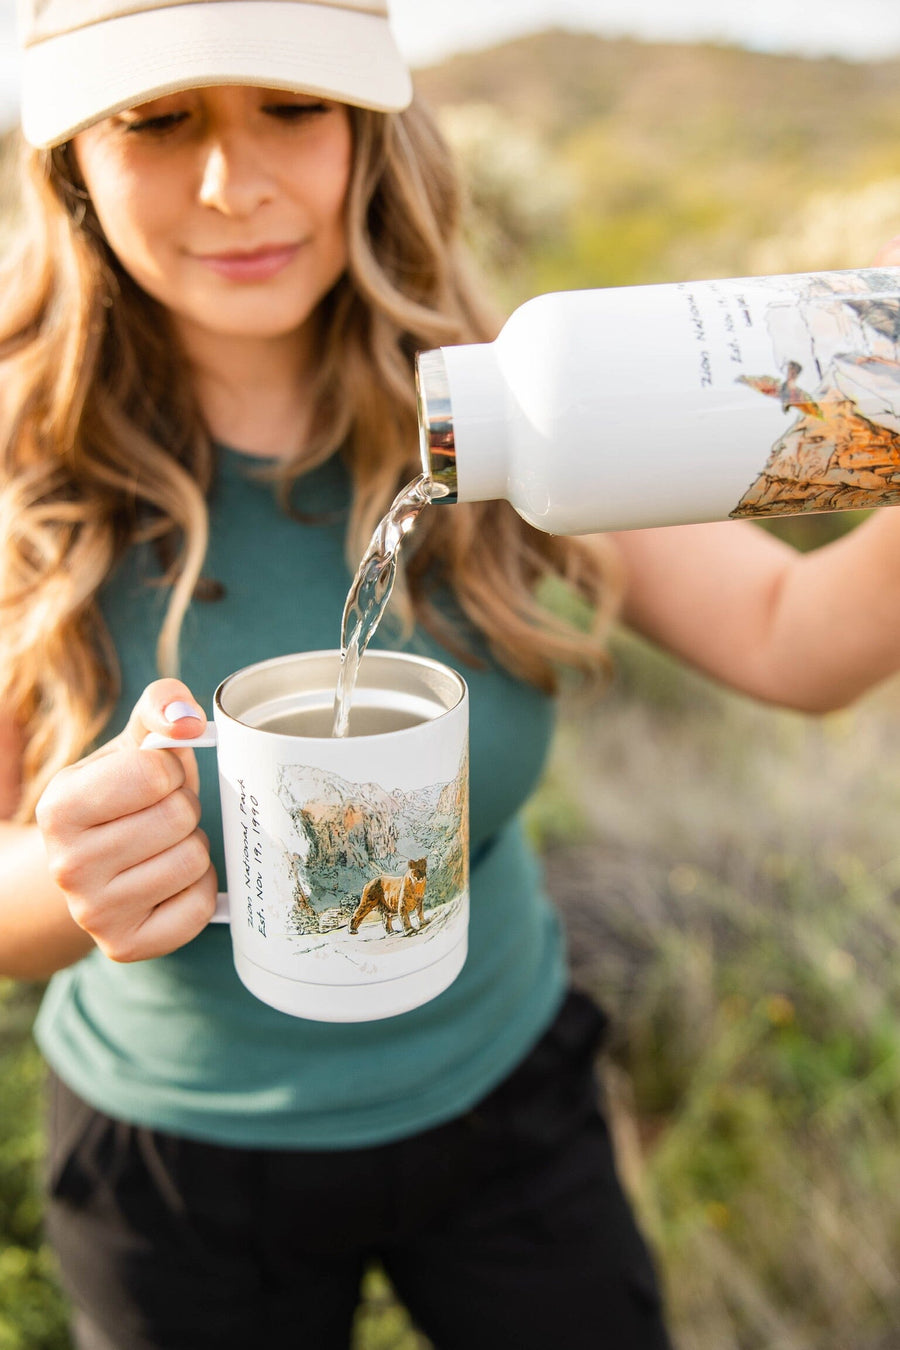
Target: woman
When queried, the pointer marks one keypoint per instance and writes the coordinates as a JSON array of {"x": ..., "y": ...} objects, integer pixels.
[{"x": 239, "y": 231}]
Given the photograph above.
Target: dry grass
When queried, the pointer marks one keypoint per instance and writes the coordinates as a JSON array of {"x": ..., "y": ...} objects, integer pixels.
[{"x": 733, "y": 902}]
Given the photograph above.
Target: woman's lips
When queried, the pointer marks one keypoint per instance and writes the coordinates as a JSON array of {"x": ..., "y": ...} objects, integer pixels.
[{"x": 259, "y": 265}]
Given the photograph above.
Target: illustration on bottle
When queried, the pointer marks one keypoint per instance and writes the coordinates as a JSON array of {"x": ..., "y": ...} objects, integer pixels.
[{"x": 843, "y": 447}]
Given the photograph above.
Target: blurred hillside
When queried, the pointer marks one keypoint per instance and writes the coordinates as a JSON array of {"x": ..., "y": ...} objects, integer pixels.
[{"x": 631, "y": 162}]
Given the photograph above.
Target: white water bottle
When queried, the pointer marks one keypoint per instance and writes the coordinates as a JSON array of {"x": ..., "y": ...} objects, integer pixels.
[{"x": 663, "y": 405}]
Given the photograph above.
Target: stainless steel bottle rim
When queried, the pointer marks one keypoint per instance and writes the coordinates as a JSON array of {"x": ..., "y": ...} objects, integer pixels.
[{"x": 437, "y": 443}]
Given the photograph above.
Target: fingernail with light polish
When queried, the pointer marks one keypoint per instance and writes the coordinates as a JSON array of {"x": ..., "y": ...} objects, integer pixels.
[{"x": 173, "y": 712}]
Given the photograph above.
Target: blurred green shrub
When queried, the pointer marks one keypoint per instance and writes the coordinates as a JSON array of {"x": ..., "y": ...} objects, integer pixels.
[{"x": 32, "y": 1312}]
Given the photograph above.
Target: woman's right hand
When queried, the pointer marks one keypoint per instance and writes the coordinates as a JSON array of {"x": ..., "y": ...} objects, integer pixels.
[{"x": 122, "y": 835}]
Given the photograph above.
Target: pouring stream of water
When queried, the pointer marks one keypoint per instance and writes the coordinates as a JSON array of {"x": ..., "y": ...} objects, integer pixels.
[{"x": 371, "y": 590}]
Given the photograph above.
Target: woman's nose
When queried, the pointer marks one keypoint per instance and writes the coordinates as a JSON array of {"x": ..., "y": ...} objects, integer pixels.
[{"x": 233, "y": 180}]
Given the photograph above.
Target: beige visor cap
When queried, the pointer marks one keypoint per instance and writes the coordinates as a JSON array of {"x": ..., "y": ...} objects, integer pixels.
[{"x": 83, "y": 60}]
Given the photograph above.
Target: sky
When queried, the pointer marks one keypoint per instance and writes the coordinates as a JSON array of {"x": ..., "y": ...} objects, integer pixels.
[{"x": 428, "y": 30}]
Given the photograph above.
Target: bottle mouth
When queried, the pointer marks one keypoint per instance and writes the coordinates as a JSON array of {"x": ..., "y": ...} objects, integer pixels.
[{"x": 437, "y": 444}]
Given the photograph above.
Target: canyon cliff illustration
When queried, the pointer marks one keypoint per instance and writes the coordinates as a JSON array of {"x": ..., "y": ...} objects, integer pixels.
[
  {"x": 837, "y": 358},
  {"x": 350, "y": 844}
]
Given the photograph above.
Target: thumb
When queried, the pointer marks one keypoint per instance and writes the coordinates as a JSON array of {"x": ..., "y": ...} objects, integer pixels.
[{"x": 167, "y": 707}]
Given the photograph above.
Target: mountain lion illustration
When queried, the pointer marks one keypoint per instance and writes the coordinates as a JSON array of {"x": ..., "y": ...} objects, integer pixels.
[{"x": 403, "y": 896}]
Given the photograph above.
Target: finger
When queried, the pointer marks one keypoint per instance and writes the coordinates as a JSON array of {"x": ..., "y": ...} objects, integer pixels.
[
  {"x": 114, "y": 914},
  {"x": 889, "y": 254},
  {"x": 179, "y": 919},
  {"x": 169, "y": 925},
  {"x": 97, "y": 855},
  {"x": 146, "y": 834},
  {"x": 156, "y": 879},
  {"x": 106, "y": 788}
]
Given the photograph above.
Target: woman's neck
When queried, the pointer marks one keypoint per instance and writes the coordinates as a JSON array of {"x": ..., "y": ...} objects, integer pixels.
[{"x": 253, "y": 392}]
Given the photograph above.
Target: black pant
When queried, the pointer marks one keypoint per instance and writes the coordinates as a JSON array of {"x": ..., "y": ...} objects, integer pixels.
[{"x": 505, "y": 1227}]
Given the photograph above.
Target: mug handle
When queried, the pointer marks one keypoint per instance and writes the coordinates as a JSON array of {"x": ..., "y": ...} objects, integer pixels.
[{"x": 208, "y": 741}]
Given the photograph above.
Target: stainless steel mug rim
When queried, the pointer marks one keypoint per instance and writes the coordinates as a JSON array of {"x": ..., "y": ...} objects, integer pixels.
[{"x": 403, "y": 674}]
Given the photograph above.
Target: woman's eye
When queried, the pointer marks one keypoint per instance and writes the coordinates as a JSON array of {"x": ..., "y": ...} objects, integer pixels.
[
  {"x": 157, "y": 126},
  {"x": 296, "y": 112}
]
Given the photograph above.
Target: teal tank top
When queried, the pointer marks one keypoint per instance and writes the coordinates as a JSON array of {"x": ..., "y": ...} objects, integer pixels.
[{"x": 177, "y": 1043}]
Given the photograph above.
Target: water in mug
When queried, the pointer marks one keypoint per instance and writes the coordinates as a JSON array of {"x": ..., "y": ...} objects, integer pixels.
[
  {"x": 369, "y": 595},
  {"x": 319, "y": 721}
]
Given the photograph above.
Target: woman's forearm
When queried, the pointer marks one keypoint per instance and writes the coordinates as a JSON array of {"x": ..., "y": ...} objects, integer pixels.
[
  {"x": 835, "y": 623},
  {"x": 38, "y": 936},
  {"x": 807, "y": 631}
]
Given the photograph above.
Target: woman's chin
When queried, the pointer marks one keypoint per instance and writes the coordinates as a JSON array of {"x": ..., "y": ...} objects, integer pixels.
[{"x": 247, "y": 321}]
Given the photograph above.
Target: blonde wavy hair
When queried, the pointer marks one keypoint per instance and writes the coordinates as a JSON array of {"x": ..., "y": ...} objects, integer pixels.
[{"x": 104, "y": 446}]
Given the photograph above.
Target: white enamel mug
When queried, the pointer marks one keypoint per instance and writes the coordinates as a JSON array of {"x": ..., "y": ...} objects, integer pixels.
[{"x": 347, "y": 859}]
